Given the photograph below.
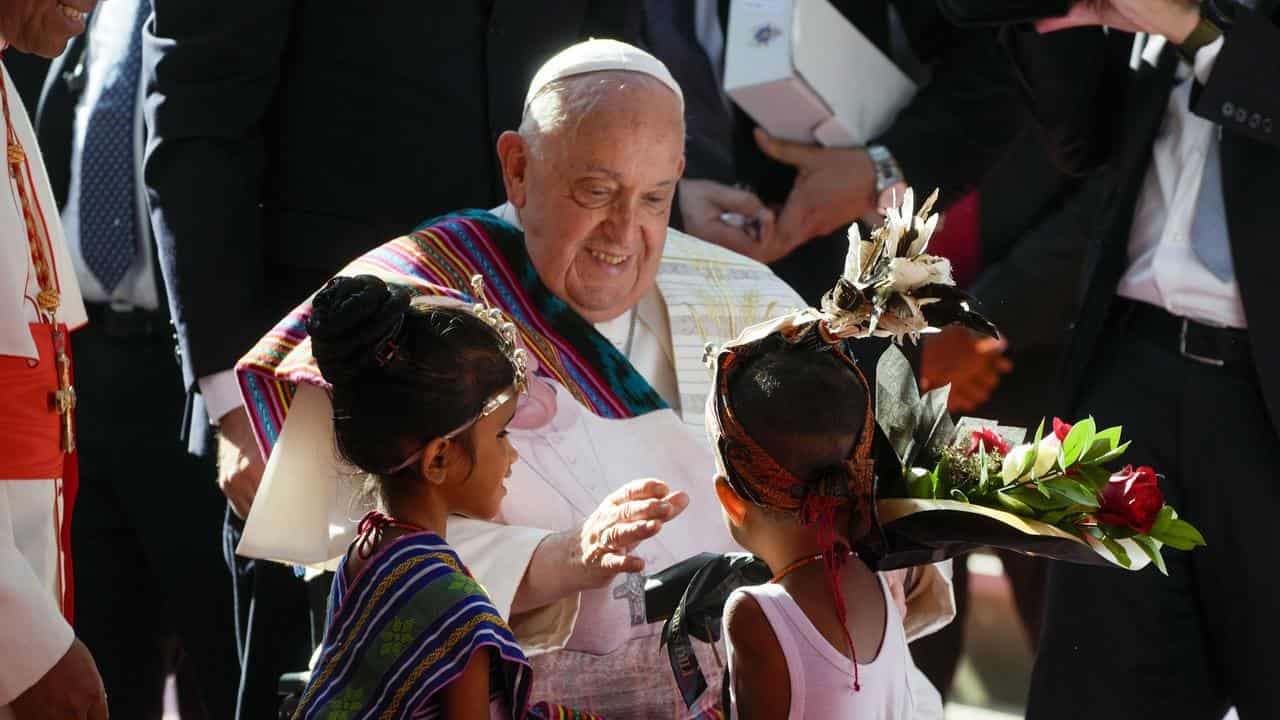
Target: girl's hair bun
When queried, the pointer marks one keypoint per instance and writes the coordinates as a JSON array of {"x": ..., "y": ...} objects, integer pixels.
[{"x": 353, "y": 321}]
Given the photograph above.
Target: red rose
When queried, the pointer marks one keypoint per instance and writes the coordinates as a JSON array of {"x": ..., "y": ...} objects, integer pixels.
[
  {"x": 1131, "y": 498},
  {"x": 1060, "y": 429},
  {"x": 989, "y": 440}
]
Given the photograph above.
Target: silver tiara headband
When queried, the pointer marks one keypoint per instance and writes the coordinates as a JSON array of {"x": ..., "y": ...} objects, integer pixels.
[{"x": 508, "y": 336}]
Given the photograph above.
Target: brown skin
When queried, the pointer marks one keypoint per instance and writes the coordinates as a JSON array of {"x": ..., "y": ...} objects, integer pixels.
[
  {"x": 1174, "y": 19},
  {"x": 72, "y": 689},
  {"x": 454, "y": 481},
  {"x": 703, "y": 201},
  {"x": 240, "y": 464},
  {"x": 780, "y": 541},
  {"x": 833, "y": 187},
  {"x": 972, "y": 365},
  {"x": 457, "y": 481},
  {"x": 604, "y": 184},
  {"x": 39, "y": 27}
]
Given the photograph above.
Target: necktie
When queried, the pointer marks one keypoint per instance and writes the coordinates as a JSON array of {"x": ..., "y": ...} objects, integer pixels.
[
  {"x": 108, "y": 191},
  {"x": 1209, "y": 237}
]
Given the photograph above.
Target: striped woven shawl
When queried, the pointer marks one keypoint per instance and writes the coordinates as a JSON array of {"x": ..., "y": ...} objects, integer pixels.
[{"x": 439, "y": 258}]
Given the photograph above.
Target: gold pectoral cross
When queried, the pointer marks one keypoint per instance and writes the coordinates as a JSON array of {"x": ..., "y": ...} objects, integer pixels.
[{"x": 63, "y": 399}]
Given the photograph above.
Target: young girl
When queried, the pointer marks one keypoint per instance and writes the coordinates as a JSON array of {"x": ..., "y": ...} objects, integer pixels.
[
  {"x": 421, "y": 399},
  {"x": 790, "y": 417}
]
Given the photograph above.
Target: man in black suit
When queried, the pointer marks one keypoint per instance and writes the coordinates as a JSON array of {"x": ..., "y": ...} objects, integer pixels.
[
  {"x": 1174, "y": 340},
  {"x": 151, "y": 583},
  {"x": 287, "y": 139}
]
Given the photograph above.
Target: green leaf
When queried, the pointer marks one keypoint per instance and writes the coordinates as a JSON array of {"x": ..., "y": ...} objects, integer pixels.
[
  {"x": 1014, "y": 505},
  {"x": 1111, "y": 455},
  {"x": 1103, "y": 442},
  {"x": 957, "y": 494},
  {"x": 1077, "y": 441},
  {"x": 920, "y": 483},
  {"x": 1117, "y": 550},
  {"x": 1032, "y": 498},
  {"x": 1149, "y": 548},
  {"x": 1178, "y": 534},
  {"x": 1043, "y": 490},
  {"x": 1074, "y": 490},
  {"x": 1094, "y": 476}
]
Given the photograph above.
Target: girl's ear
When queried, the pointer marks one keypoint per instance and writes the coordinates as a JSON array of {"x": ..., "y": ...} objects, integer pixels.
[
  {"x": 435, "y": 460},
  {"x": 734, "y": 506}
]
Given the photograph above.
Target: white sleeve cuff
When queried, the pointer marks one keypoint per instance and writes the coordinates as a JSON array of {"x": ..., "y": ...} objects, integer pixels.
[
  {"x": 931, "y": 604},
  {"x": 1206, "y": 57},
  {"x": 221, "y": 394},
  {"x": 498, "y": 557}
]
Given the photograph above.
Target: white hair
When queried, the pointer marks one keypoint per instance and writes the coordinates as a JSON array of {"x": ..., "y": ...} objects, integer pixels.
[{"x": 569, "y": 100}]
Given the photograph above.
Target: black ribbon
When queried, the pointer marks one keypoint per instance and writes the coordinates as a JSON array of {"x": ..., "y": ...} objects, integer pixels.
[{"x": 690, "y": 596}]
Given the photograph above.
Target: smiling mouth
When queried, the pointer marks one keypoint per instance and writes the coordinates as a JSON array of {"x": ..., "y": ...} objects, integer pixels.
[
  {"x": 72, "y": 13},
  {"x": 608, "y": 259}
]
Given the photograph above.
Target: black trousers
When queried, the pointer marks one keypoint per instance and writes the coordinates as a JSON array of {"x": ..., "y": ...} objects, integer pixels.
[
  {"x": 1121, "y": 644},
  {"x": 273, "y": 625},
  {"x": 150, "y": 584}
]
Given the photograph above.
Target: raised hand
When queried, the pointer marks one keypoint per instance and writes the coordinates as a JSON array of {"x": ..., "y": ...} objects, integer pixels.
[{"x": 631, "y": 514}]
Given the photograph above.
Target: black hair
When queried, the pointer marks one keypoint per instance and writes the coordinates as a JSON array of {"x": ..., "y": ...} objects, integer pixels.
[
  {"x": 804, "y": 407},
  {"x": 402, "y": 375}
]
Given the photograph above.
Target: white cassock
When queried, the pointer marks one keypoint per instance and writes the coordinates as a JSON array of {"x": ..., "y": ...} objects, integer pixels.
[
  {"x": 592, "y": 651},
  {"x": 33, "y": 633}
]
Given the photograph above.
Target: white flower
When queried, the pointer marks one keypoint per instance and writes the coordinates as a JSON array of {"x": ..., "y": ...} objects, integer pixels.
[
  {"x": 907, "y": 274},
  {"x": 1046, "y": 457}
]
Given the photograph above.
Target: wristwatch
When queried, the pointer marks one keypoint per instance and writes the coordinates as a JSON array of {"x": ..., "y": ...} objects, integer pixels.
[
  {"x": 1215, "y": 20},
  {"x": 888, "y": 171}
]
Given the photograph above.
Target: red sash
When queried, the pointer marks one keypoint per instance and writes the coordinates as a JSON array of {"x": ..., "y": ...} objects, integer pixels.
[{"x": 31, "y": 440}]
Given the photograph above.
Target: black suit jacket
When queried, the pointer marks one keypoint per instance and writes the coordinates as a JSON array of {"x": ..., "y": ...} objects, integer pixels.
[
  {"x": 55, "y": 115},
  {"x": 1100, "y": 115},
  {"x": 287, "y": 137}
]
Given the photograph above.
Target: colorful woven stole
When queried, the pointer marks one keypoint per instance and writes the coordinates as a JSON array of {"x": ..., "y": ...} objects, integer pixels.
[{"x": 439, "y": 258}]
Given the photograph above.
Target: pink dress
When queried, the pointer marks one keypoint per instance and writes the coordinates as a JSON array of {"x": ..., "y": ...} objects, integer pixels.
[{"x": 822, "y": 678}]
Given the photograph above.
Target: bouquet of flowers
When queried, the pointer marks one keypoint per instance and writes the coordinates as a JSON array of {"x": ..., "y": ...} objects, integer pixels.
[{"x": 1054, "y": 492}]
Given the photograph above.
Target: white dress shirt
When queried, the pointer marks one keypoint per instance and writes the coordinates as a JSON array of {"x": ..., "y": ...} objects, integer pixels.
[
  {"x": 1163, "y": 268},
  {"x": 109, "y": 32}
]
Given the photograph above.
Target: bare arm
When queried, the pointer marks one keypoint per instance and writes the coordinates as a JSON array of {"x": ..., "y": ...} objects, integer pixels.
[
  {"x": 761, "y": 682},
  {"x": 467, "y": 697}
]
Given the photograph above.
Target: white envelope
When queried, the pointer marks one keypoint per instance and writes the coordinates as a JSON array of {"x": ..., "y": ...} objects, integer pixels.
[{"x": 804, "y": 73}]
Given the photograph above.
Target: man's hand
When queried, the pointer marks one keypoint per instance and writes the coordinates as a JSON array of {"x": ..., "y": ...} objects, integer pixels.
[
  {"x": 632, "y": 513},
  {"x": 71, "y": 690},
  {"x": 703, "y": 201},
  {"x": 239, "y": 461},
  {"x": 1173, "y": 19},
  {"x": 972, "y": 365},
  {"x": 834, "y": 187}
]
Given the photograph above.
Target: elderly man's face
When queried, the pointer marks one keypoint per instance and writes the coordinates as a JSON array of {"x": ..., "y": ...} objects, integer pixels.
[
  {"x": 596, "y": 196},
  {"x": 43, "y": 27}
]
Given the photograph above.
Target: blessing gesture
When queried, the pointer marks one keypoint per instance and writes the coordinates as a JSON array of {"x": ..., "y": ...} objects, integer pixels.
[{"x": 592, "y": 555}]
